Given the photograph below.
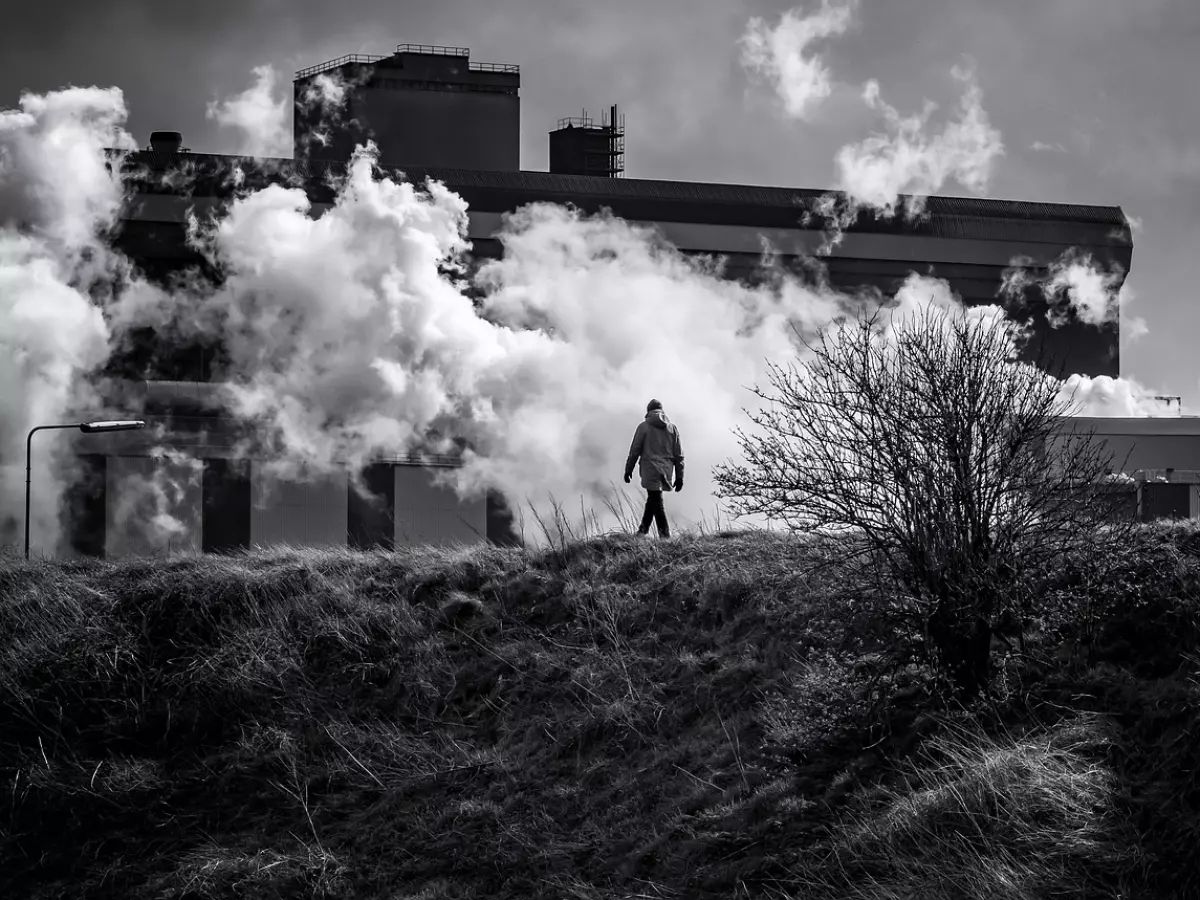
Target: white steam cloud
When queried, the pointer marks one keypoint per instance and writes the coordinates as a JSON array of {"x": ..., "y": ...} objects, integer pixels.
[
  {"x": 155, "y": 505},
  {"x": 783, "y": 56},
  {"x": 1105, "y": 396},
  {"x": 1076, "y": 283},
  {"x": 257, "y": 115},
  {"x": 1089, "y": 290},
  {"x": 56, "y": 196},
  {"x": 346, "y": 341},
  {"x": 907, "y": 159},
  {"x": 324, "y": 103},
  {"x": 326, "y": 97}
]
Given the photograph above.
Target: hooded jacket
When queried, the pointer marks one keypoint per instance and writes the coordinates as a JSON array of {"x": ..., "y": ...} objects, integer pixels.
[{"x": 656, "y": 444}]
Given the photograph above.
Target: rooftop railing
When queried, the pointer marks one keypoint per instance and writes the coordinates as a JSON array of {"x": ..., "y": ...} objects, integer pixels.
[
  {"x": 433, "y": 50},
  {"x": 588, "y": 122},
  {"x": 424, "y": 49},
  {"x": 365, "y": 58},
  {"x": 495, "y": 67}
]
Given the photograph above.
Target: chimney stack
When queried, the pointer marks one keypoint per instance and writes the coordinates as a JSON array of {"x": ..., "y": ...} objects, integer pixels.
[{"x": 165, "y": 141}]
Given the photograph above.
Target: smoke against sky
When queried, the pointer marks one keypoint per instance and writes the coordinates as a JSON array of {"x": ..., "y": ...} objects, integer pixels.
[
  {"x": 258, "y": 116},
  {"x": 783, "y": 54},
  {"x": 907, "y": 156},
  {"x": 908, "y": 159}
]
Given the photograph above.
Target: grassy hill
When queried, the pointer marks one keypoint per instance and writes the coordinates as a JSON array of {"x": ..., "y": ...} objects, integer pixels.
[{"x": 617, "y": 717}]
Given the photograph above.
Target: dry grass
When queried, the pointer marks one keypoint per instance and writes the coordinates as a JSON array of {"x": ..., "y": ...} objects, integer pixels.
[{"x": 714, "y": 715}]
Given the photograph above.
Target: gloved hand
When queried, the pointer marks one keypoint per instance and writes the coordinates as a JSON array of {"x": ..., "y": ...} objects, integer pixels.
[
  {"x": 628, "y": 478},
  {"x": 679, "y": 484}
]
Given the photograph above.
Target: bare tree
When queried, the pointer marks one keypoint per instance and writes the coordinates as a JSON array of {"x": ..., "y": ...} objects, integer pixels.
[{"x": 953, "y": 459}]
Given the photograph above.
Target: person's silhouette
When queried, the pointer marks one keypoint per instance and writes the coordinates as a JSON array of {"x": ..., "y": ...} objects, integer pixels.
[{"x": 656, "y": 444}]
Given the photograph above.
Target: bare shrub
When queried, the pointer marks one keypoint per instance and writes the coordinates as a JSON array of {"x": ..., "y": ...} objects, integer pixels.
[{"x": 931, "y": 439}]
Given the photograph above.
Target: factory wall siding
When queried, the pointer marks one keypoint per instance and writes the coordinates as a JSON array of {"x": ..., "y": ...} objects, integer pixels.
[
  {"x": 501, "y": 523},
  {"x": 85, "y": 508},
  {"x": 310, "y": 513},
  {"x": 430, "y": 514},
  {"x": 917, "y": 250},
  {"x": 225, "y": 515},
  {"x": 1131, "y": 452},
  {"x": 1166, "y": 501},
  {"x": 464, "y": 130},
  {"x": 371, "y": 519},
  {"x": 227, "y": 505}
]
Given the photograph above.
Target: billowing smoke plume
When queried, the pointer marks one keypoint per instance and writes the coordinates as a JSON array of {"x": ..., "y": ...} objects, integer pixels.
[
  {"x": 920, "y": 293},
  {"x": 324, "y": 99},
  {"x": 155, "y": 504},
  {"x": 258, "y": 116},
  {"x": 1076, "y": 284},
  {"x": 908, "y": 159},
  {"x": 56, "y": 196},
  {"x": 346, "y": 340},
  {"x": 324, "y": 104},
  {"x": 1105, "y": 396},
  {"x": 783, "y": 55},
  {"x": 327, "y": 91}
]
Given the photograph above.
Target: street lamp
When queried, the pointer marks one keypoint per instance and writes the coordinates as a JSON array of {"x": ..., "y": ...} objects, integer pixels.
[{"x": 86, "y": 428}]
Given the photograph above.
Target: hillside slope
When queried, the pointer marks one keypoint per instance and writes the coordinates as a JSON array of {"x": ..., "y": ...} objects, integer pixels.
[{"x": 616, "y": 718}]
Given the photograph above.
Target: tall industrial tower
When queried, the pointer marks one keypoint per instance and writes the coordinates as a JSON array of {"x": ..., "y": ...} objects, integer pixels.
[
  {"x": 422, "y": 106},
  {"x": 580, "y": 146}
]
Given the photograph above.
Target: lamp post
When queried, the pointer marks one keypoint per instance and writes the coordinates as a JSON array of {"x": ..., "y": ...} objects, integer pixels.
[{"x": 86, "y": 428}]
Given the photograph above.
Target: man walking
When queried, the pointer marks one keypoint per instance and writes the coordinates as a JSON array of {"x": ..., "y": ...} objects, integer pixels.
[{"x": 656, "y": 444}]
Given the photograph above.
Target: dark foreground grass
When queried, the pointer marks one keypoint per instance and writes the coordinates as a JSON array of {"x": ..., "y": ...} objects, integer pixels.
[{"x": 704, "y": 716}]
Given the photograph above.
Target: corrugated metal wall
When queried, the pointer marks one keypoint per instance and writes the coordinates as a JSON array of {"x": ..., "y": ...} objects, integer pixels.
[
  {"x": 427, "y": 514},
  {"x": 371, "y": 515},
  {"x": 222, "y": 505},
  {"x": 84, "y": 502},
  {"x": 225, "y": 519},
  {"x": 153, "y": 505},
  {"x": 1151, "y": 451},
  {"x": 309, "y": 514},
  {"x": 1164, "y": 500}
]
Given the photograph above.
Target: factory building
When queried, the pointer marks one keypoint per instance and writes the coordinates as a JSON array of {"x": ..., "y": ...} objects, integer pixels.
[
  {"x": 1160, "y": 455},
  {"x": 436, "y": 115}
]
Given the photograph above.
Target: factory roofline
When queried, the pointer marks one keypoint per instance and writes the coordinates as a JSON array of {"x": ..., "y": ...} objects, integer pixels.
[{"x": 209, "y": 175}]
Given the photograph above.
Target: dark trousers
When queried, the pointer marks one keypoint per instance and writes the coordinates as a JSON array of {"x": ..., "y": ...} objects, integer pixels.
[{"x": 655, "y": 513}]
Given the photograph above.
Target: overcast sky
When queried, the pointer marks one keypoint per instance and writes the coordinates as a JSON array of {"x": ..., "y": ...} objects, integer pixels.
[{"x": 1108, "y": 90}]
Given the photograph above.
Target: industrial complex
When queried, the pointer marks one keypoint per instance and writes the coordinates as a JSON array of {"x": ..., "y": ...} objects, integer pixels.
[{"x": 435, "y": 113}]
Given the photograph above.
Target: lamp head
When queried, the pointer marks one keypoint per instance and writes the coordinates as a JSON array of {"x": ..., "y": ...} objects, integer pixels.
[{"x": 118, "y": 425}]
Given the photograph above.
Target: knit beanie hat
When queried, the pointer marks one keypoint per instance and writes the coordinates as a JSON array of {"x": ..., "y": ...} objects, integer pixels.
[{"x": 653, "y": 405}]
